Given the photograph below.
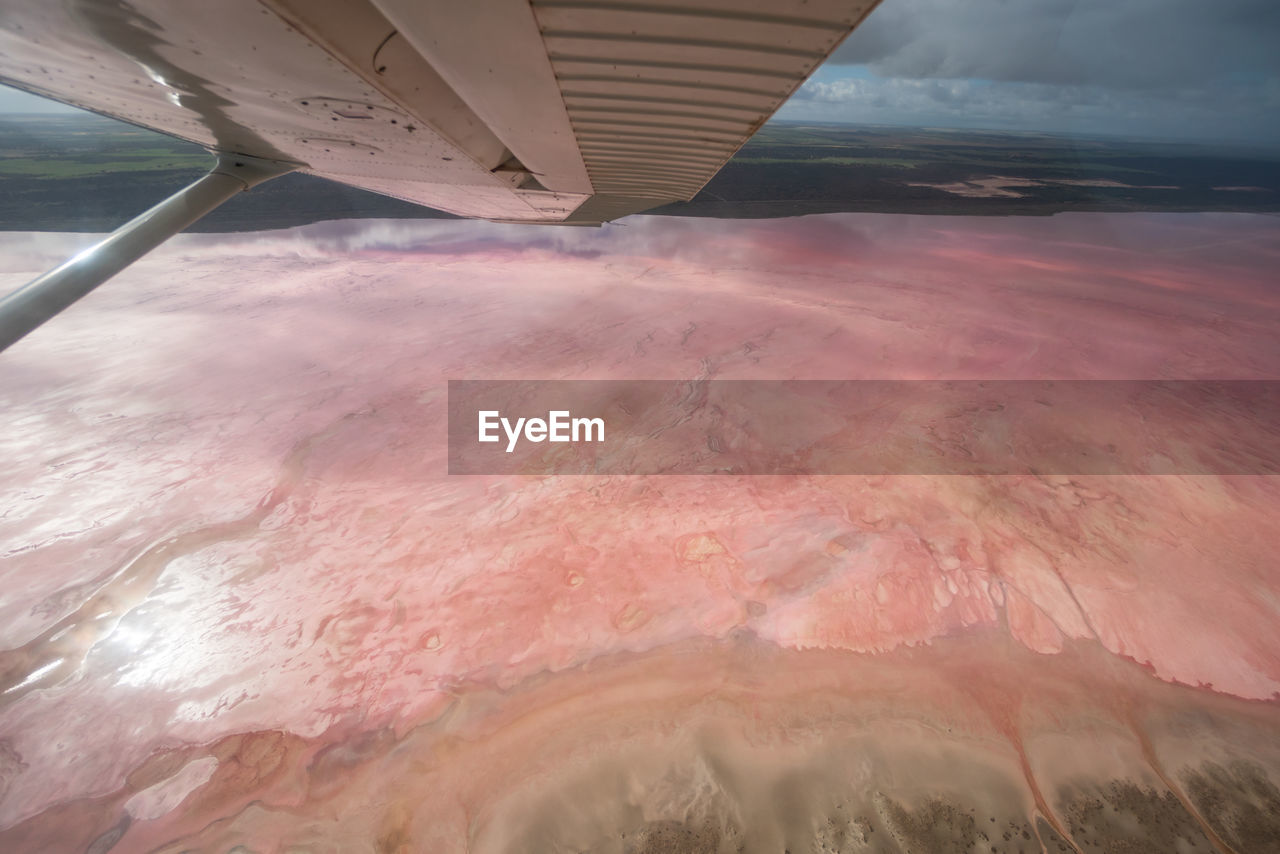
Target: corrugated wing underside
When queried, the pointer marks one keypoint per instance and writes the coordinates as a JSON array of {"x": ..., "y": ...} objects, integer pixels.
[{"x": 574, "y": 111}]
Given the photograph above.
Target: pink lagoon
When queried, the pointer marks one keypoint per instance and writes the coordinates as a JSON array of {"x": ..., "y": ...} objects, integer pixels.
[{"x": 245, "y": 607}]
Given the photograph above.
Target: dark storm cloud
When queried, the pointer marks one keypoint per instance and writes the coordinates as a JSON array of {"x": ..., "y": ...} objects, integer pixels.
[
  {"x": 1132, "y": 44},
  {"x": 1175, "y": 69}
]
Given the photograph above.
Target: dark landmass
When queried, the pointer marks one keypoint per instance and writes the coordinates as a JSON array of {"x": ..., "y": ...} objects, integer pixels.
[
  {"x": 87, "y": 173},
  {"x": 791, "y": 169}
]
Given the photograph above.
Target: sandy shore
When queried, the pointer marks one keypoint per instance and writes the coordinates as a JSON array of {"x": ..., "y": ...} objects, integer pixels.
[{"x": 971, "y": 743}]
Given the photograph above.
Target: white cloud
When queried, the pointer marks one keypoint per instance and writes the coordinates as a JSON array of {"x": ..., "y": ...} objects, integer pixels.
[
  {"x": 1245, "y": 113},
  {"x": 1140, "y": 44},
  {"x": 1158, "y": 68}
]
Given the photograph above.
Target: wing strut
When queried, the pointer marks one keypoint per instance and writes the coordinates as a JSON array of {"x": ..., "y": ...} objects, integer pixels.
[{"x": 39, "y": 300}]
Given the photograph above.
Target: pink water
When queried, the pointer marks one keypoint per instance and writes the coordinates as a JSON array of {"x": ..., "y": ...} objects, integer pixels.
[{"x": 243, "y": 603}]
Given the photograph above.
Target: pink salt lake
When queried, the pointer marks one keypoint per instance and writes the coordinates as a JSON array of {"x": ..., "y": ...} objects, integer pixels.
[{"x": 245, "y": 608}]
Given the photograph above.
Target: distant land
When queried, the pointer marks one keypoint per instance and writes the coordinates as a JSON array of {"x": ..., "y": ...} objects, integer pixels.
[{"x": 87, "y": 173}]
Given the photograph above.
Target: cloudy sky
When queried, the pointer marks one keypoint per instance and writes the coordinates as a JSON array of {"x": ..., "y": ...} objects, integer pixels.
[
  {"x": 1173, "y": 69},
  {"x": 1198, "y": 69}
]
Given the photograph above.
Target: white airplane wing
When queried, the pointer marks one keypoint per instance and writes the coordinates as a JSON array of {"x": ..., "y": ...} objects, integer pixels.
[
  {"x": 535, "y": 111},
  {"x": 544, "y": 111}
]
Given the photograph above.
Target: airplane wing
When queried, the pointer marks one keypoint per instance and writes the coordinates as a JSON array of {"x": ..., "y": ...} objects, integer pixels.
[
  {"x": 543, "y": 111},
  {"x": 535, "y": 111}
]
